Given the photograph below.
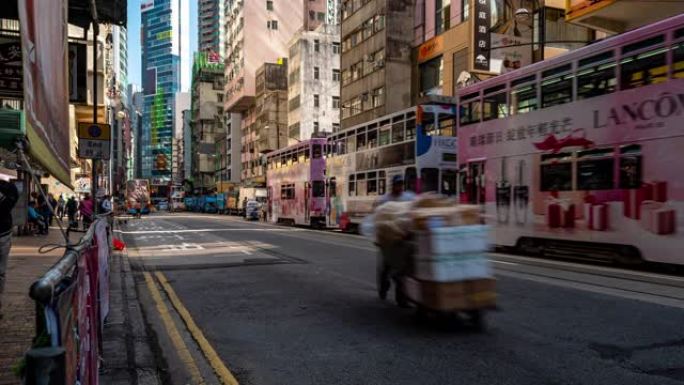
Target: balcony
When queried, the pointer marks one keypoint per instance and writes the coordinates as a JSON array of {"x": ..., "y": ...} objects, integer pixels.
[{"x": 617, "y": 16}]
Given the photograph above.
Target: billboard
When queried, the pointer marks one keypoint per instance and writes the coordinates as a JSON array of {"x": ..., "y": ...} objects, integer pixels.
[{"x": 46, "y": 101}]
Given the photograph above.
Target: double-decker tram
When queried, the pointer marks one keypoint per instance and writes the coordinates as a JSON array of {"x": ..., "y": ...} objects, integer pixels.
[
  {"x": 417, "y": 143},
  {"x": 581, "y": 155},
  {"x": 295, "y": 180}
]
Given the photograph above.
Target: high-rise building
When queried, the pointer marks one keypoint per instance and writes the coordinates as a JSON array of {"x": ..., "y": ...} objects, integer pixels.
[
  {"x": 210, "y": 26},
  {"x": 257, "y": 32},
  {"x": 314, "y": 83},
  {"x": 135, "y": 110},
  {"x": 182, "y": 104},
  {"x": 166, "y": 70},
  {"x": 376, "y": 58},
  {"x": 207, "y": 118},
  {"x": 317, "y": 12}
]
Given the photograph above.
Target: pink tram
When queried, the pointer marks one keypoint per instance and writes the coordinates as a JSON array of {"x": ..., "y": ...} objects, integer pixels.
[
  {"x": 580, "y": 155},
  {"x": 295, "y": 178}
]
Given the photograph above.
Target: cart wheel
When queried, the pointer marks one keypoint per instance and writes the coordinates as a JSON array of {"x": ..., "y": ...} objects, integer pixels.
[
  {"x": 422, "y": 314},
  {"x": 478, "y": 320}
]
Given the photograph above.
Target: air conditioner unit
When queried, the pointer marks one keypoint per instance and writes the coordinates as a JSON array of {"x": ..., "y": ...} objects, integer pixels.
[{"x": 12, "y": 127}]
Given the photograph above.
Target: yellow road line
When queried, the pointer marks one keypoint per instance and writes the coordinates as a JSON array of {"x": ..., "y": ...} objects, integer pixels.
[
  {"x": 219, "y": 367},
  {"x": 172, "y": 331}
]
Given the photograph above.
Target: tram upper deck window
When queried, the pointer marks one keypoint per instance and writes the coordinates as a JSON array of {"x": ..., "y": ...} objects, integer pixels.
[
  {"x": 398, "y": 132},
  {"x": 372, "y": 138},
  {"x": 447, "y": 125},
  {"x": 351, "y": 142},
  {"x": 524, "y": 95},
  {"x": 557, "y": 86},
  {"x": 317, "y": 151},
  {"x": 382, "y": 183},
  {"x": 352, "y": 185},
  {"x": 470, "y": 109},
  {"x": 678, "y": 55},
  {"x": 385, "y": 134},
  {"x": 642, "y": 69},
  {"x": 411, "y": 129},
  {"x": 494, "y": 103},
  {"x": 596, "y": 76},
  {"x": 429, "y": 125},
  {"x": 361, "y": 184},
  {"x": 372, "y": 184}
]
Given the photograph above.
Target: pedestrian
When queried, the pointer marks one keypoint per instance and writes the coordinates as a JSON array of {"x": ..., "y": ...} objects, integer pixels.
[
  {"x": 72, "y": 210},
  {"x": 8, "y": 198},
  {"x": 86, "y": 209},
  {"x": 106, "y": 204},
  {"x": 52, "y": 209},
  {"x": 43, "y": 210},
  {"x": 244, "y": 207},
  {"x": 61, "y": 203},
  {"x": 36, "y": 219}
]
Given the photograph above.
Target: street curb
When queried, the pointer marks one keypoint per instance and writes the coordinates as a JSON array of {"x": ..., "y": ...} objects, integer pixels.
[{"x": 128, "y": 347}]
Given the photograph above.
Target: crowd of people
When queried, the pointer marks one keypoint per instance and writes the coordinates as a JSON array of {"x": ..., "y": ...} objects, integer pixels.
[{"x": 42, "y": 212}]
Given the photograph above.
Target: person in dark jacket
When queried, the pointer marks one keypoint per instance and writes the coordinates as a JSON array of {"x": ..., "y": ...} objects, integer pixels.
[
  {"x": 71, "y": 210},
  {"x": 8, "y": 198}
]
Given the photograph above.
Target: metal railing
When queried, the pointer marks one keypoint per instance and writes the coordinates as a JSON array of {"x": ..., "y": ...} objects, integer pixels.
[{"x": 71, "y": 305}]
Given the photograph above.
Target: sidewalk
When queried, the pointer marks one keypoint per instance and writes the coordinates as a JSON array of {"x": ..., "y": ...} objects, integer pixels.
[{"x": 18, "y": 324}]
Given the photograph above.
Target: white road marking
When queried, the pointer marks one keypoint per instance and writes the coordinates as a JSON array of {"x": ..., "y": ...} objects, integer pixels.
[
  {"x": 207, "y": 231},
  {"x": 504, "y": 262}
]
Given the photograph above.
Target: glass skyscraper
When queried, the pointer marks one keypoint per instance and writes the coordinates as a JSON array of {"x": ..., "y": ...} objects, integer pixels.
[{"x": 165, "y": 50}]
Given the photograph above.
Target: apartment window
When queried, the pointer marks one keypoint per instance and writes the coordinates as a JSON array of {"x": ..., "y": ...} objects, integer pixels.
[
  {"x": 336, "y": 102},
  {"x": 442, "y": 15},
  {"x": 317, "y": 46},
  {"x": 315, "y": 128},
  {"x": 312, "y": 15},
  {"x": 336, "y": 75},
  {"x": 269, "y": 5},
  {"x": 431, "y": 75},
  {"x": 321, "y": 16},
  {"x": 378, "y": 97},
  {"x": 272, "y": 24},
  {"x": 317, "y": 100},
  {"x": 335, "y": 127},
  {"x": 337, "y": 49},
  {"x": 317, "y": 73}
]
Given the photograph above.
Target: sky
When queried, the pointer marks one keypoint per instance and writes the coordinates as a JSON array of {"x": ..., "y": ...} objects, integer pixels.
[{"x": 134, "y": 54}]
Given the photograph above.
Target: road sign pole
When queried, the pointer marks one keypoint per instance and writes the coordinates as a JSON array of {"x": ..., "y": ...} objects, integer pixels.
[{"x": 96, "y": 31}]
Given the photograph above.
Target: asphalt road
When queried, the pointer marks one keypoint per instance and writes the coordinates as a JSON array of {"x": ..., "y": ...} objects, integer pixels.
[{"x": 284, "y": 305}]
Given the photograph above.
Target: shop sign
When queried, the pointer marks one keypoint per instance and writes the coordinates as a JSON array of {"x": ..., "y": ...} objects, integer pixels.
[
  {"x": 431, "y": 48},
  {"x": 482, "y": 43}
]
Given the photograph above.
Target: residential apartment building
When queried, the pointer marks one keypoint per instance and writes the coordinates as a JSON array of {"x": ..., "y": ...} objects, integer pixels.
[
  {"x": 314, "y": 83},
  {"x": 376, "y": 58},
  {"x": 257, "y": 32},
  {"x": 166, "y": 70},
  {"x": 183, "y": 103},
  {"x": 135, "y": 112},
  {"x": 210, "y": 26},
  {"x": 207, "y": 118}
]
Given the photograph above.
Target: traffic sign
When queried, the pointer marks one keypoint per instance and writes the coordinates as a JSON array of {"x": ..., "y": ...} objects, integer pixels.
[
  {"x": 92, "y": 131},
  {"x": 94, "y": 141}
]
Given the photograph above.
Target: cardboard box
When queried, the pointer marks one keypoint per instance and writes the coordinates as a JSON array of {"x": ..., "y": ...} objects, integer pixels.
[
  {"x": 461, "y": 215},
  {"x": 453, "y": 239},
  {"x": 458, "y": 267},
  {"x": 452, "y": 296}
]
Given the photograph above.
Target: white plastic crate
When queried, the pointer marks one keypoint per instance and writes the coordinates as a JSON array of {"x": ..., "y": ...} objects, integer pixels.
[
  {"x": 455, "y": 268},
  {"x": 453, "y": 239}
]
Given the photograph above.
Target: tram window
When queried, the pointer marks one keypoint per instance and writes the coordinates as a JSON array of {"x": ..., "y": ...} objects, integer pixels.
[
  {"x": 447, "y": 125},
  {"x": 384, "y": 138},
  {"x": 398, "y": 132},
  {"x": 372, "y": 138},
  {"x": 332, "y": 187},
  {"x": 449, "y": 157},
  {"x": 596, "y": 81},
  {"x": 411, "y": 129},
  {"x": 495, "y": 107},
  {"x": 351, "y": 143},
  {"x": 287, "y": 191},
  {"x": 557, "y": 90},
  {"x": 361, "y": 140},
  {"x": 317, "y": 151},
  {"x": 429, "y": 180},
  {"x": 318, "y": 189},
  {"x": 595, "y": 174},
  {"x": 524, "y": 99},
  {"x": 352, "y": 186},
  {"x": 411, "y": 179},
  {"x": 643, "y": 69},
  {"x": 382, "y": 183},
  {"x": 307, "y": 153},
  {"x": 678, "y": 61},
  {"x": 470, "y": 112},
  {"x": 361, "y": 184},
  {"x": 556, "y": 177},
  {"x": 449, "y": 180},
  {"x": 630, "y": 167},
  {"x": 372, "y": 184},
  {"x": 651, "y": 41}
]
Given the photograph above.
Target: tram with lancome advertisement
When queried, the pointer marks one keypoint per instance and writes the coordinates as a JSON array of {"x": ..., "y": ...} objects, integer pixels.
[
  {"x": 579, "y": 155},
  {"x": 417, "y": 143}
]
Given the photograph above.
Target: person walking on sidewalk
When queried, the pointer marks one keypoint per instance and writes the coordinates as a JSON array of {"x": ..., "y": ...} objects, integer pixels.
[
  {"x": 8, "y": 198},
  {"x": 60, "y": 207},
  {"x": 86, "y": 208},
  {"x": 71, "y": 210}
]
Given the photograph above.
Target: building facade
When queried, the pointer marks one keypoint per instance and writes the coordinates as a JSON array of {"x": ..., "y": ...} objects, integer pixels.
[
  {"x": 135, "y": 109},
  {"x": 314, "y": 83},
  {"x": 207, "y": 119},
  {"x": 211, "y": 24},
  {"x": 182, "y": 104},
  {"x": 166, "y": 70},
  {"x": 376, "y": 58}
]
